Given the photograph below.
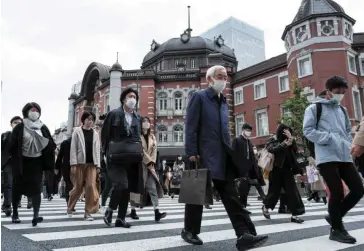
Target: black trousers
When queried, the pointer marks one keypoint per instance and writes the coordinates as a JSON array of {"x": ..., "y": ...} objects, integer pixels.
[
  {"x": 119, "y": 198},
  {"x": 67, "y": 181},
  {"x": 333, "y": 173},
  {"x": 240, "y": 220},
  {"x": 283, "y": 178},
  {"x": 8, "y": 186},
  {"x": 48, "y": 181},
  {"x": 106, "y": 191}
]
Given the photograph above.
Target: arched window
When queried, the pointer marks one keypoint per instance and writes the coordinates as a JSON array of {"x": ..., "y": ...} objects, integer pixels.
[
  {"x": 178, "y": 100},
  {"x": 162, "y": 133},
  {"x": 178, "y": 133},
  {"x": 162, "y": 99}
]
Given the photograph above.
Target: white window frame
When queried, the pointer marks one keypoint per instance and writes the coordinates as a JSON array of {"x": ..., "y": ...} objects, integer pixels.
[
  {"x": 283, "y": 75},
  {"x": 237, "y": 126},
  {"x": 361, "y": 64},
  {"x": 165, "y": 100},
  {"x": 261, "y": 111},
  {"x": 309, "y": 92},
  {"x": 344, "y": 22},
  {"x": 356, "y": 90},
  {"x": 179, "y": 134},
  {"x": 350, "y": 55},
  {"x": 335, "y": 22},
  {"x": 282, "y": 107},
  {"x": 299, "y": 68},
  {"x": 162, "y": 134},
  {"x": 308, "y": 29},
  {"x": 106, "y": 101},
  {"x": 260, "y": 82},
  {"x": 237, "y": 90},
  {"x": 179, "y": 100}
]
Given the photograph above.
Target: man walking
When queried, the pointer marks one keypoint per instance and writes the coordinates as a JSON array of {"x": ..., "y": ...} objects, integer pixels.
[
  {"x": 208, "y": 138},
  {"x": 327, "y": 125}
]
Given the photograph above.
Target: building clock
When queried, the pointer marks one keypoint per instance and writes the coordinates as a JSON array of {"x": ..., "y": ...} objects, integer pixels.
[
  {"x": 302, "y": 36},
  {"x": 327, "y": 30}
]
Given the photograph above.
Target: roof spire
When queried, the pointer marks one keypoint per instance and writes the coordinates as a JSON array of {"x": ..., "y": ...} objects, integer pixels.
[
  {"x": 189, "y": 21},
  {"x": 117, "y": 57}
]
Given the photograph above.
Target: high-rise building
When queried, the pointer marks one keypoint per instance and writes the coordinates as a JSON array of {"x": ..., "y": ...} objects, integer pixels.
[{"x": 246, "y": 40}]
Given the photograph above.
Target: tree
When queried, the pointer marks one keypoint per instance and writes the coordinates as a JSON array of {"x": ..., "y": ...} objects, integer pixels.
[{"x": 296, "y": 104}]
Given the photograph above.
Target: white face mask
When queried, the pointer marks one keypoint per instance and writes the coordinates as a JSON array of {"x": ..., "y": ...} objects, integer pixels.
[
  {"x": 163, "y": 161},
  {"x": 33, "y": 116},
  {"x": 247, "y": 133},
  {"x": 337, "y": 97},
  {"x": 130, "y": 103},
  {"x": 146, "y": 125},
  {"x": 218, "y": 85},
  {"x": 179, "y": 158},
  {"x": 255, "y": 151}
]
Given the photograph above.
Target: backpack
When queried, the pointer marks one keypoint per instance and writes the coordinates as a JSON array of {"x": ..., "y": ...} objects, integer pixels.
[
  {"x": 266, "y": 160},
  {"x": 310, "y": 145}
]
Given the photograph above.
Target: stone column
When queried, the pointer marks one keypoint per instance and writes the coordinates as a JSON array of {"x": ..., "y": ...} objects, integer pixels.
[
  {"x": 115, "y": 86},
  {"x": 71, "y": 113}
]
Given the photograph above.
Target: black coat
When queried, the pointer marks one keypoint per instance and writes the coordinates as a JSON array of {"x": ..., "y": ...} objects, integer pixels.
[
  {"x": 114, "y": 129},
  {"x": 5, "y": 149},
  {"x": 279, "y": 150},
  {"x": 63, "y": 158},
  {"x": 246, "y": 166},
  {"x": 48, "y": 155}
]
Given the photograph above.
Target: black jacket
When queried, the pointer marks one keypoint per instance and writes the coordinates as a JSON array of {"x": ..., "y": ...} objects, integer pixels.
[
  {"x": 16, "y": 142},
  {"x": 63, "y": 158},
  {"x": 5, "y": 149},
  {"x": 279, "y": 150}
]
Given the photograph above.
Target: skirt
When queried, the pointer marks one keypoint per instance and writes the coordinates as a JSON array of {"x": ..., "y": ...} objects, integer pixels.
[{"x": 30, "y": 182}]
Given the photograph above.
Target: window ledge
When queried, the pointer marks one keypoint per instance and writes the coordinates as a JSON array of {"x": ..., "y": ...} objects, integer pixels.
[
  {"x": 241, "y": 103},
  {"x": 303, "y": 76},
  {"x": 284, "y": 91},
  {"x": 354, "y": 73},
  {"x": 260, "y": 97}
]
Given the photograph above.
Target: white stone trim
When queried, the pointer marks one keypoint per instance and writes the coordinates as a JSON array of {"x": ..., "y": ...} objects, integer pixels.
[
  {"x": 355, "y": 89},
  {"x": 281, "y": 75},
  {"x": 344, "y": 22},
  {"x": 298, "y": 65},
  {"x": 308, "y": 30},
  {"x": 236, "y": 90},
  {"x": 259, "y": 82},
  {"x": 335, "y": 23},
  {"x": 264, "y": 110},
  {"x": 237, "y": 129},
  {"x": 361, "y": 63},
  {"x": 348, "y": 56}
]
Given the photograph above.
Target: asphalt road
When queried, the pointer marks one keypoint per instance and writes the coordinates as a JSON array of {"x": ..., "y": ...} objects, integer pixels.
[{"x": 58, "y": 232}]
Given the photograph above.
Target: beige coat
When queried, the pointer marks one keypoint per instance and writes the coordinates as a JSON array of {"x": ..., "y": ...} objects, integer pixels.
[
  {"x": 78, "y": 148},
  {"x": 150, "y": 155},
  {"x": 359, "y": 136}
]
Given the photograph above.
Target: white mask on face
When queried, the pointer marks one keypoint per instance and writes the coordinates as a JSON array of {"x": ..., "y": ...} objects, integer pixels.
[
  {"x": 247, "y": 133},
  {"x": 33, "y": 116},
  {"x": 218, "y": 85},
  {"x": 146, "y": 125},
  {"x": 130, "y": 103},
  {"x": 163, "y": 161},
  {"x": 255, "y": 151},
  {"x": 179, "y": 158},
  {"x": 337, "y": 97}
]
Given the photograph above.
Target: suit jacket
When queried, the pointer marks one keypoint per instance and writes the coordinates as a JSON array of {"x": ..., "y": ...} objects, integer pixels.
[
  {"x": 5, "y": 149},
  {"x": 63, "y": 158},
  {"x": 359, "y": 136}
]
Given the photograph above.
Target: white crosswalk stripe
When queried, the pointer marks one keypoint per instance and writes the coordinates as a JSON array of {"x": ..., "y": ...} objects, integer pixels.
[{"x": 61, "y": 233}]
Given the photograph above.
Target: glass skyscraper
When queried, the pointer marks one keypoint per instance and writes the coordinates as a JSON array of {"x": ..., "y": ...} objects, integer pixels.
[{"x": 246, "y": 40}]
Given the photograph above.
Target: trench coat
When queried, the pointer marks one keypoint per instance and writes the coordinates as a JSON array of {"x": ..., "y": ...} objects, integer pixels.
[
  {"x": 115, "y": 129},
  {"x": 207, "y": 131},
  {"x": 150, "y": 156}
]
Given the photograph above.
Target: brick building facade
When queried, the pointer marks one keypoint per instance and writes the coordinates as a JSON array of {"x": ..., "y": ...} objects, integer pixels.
[{"x": 320, "y": 43}]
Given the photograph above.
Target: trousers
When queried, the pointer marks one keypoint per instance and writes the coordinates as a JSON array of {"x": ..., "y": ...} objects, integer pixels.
[
  {"x": 8, "y": 186},
  {"x": 333, "y": 174},
  {"x": 84, "y": 178},
  {"x": 240, "y": 220}
]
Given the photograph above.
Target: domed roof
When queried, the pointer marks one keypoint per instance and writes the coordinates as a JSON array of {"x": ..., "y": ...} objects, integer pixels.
[
  {"x": 195, "y": 43},
  {"x": 116, "y": 67},
  {"x": 312, "y": 7}
]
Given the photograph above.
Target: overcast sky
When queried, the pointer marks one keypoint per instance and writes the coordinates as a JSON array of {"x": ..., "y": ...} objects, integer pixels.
[{"x": 47, "y": 44}]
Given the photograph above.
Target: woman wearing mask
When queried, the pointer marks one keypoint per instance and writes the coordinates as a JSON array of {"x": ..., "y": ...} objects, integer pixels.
[
  {"x": 150, "y": 177},
  {"x": 167, "y": 177},
  {"x": 32, "y": 152},
  {"x": 85, "y": 162},
  {"x": 285, "y": 166},
  {"x": 178, "y": 168}
]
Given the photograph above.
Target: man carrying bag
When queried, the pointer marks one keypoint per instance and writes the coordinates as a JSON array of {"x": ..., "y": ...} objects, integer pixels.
[{"x": 208, "y": 140}]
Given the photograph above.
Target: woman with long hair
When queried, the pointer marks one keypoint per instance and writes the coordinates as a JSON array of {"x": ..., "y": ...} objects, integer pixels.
[
  {"x": 32, "y": 152},
  {"x": 285, "y": 166},
  {"x": 178, "y": 168},
  {"x": 150, "y": 176}
]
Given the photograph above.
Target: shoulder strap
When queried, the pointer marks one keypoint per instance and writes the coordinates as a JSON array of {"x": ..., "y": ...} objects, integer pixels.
[{"x": 318, "y": 113}]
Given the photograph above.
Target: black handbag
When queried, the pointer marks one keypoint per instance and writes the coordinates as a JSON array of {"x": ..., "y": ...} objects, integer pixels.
[
  {"x": 196, "y": 187},
  {"x": 128, "y": 151}
]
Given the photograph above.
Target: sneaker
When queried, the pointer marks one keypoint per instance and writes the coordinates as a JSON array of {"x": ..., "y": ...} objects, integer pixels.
[
  {"x": 69, "y": 214},
  {"x": 102, "y": 210},
  {"x": 88, "y": 217}
]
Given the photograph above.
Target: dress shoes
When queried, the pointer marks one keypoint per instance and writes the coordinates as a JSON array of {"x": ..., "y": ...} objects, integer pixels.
[
  {"x": 249, "y": 241},
  {"x": 191, "y": 238}
]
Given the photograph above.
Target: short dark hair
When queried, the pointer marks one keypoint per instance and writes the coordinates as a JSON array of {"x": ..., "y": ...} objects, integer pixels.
[
  {"x": 246, "y": 126},
  {"x": 145, "y": 118},
  {"x": 126, "y": 91},
  {"x": 16, "y": 118},
  {"x": 323, "y": 93},
  {"x": 29, "y": 106},
  {"x": 87, "y": 114},
  {"x": 336, "y": 82}
]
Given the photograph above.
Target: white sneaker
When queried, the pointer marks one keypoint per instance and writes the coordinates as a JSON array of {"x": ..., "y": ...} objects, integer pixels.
[
  {"x": 88, "y": 217},
  {"x": 102, "y": 210},
  {"x": 69, "y": 214},
  {"x": 309, "y": 203}
]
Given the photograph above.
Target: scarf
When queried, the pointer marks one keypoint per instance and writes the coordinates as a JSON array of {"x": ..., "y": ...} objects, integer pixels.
[{"x": 34, "y": 144}]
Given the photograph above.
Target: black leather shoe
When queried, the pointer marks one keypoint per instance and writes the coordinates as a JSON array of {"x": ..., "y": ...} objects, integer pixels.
[
  {"x": 248, "y": 241},
  {"x": 36, "y": 220},
  {"x": 108, "y": 217},
  {"x": 7, "y": 211},
  {"x": 15, "y": 219},
  {"x": 159, "y": 215},
  {"x": 341, "y": 236},
  {"x": 29, "y": 205},
  {"x": 295, "y": 219},
  {"x": 133, "y": 215},
  {"x": 122, "y": 223},
  {"x": 191, "y": 238}
]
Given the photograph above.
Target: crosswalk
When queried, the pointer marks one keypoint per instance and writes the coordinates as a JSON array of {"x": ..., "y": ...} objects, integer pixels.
[{"x": 60, "y": 233}]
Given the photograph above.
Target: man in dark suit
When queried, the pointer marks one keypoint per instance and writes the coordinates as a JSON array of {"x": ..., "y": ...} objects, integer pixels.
[
  {"x": 63, "y": 165},
  {"x": 6, "y": 168},
  {"x": 208, "y": 139},
  {"x": 244, "y": 158}
]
